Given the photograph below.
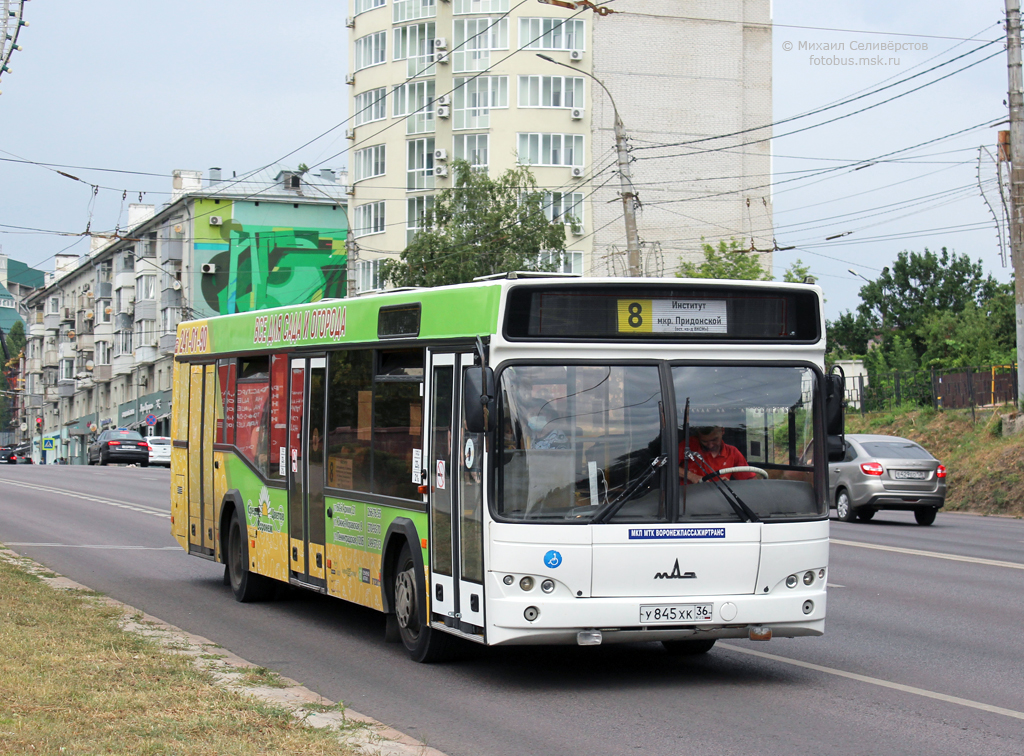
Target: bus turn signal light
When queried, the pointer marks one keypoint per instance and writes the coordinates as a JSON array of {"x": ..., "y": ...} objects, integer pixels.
[{"x": 872, "y": 468}]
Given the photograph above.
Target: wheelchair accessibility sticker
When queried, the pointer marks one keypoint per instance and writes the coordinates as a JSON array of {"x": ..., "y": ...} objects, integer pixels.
[{"x": 552, "y": 559}]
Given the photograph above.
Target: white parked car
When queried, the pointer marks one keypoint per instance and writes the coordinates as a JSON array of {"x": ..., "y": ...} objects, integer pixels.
[{"x": 159, "y": 450}]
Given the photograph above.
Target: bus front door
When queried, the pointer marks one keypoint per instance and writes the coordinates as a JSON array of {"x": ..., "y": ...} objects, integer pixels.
[
  {"x": 455, "y": 482},
  {"x": 307, "y": 401},
  {"x": 201, "y": 400}
]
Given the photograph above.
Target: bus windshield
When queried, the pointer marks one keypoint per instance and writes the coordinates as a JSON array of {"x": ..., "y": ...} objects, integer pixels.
[{"x": 589, "y": 443}]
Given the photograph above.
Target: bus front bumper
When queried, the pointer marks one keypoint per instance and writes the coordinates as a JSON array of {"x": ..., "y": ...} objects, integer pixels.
[{"x": 560, "y": 619}]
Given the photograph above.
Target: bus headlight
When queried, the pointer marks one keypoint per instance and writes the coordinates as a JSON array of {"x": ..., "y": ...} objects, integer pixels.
[
  {"x": 808, "y": 577},
  {"x": 548, "y": 585},
  {"x": 526, "y": 583},
  {"x": 791, "y": 581},
  {"x": 508, "y": 580}
]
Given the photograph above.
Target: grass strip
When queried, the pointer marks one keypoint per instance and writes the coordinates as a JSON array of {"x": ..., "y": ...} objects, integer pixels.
[{"x": 73, "y": 682}]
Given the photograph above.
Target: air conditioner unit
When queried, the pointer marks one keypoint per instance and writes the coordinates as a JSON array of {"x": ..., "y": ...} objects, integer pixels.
[
  {"x": 350, "y": 78},
  {"x": 440, "y": 154},
  {"x": 208, "y": 268},
  {"x": 577, "y": 230},
  {"x": 576, "y": 114},
  {"x": 577, "y": 172},
  {"x": 442, "y": 58},
  {"x": 443, "y": 111},
  {"x": 575, "y": 55},
  {"x": 350, "y": 133},
  {"x": 350, "y": 22},
  {"x": 440, "y": 43},
  {"x": 216, "y": 220},
  {"x": 441, "y": 171},
  {"x": 444, "y": 99}
]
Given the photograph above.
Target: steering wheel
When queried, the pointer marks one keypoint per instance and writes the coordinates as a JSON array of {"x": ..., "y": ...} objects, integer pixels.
[{"x": 744, "y": 468}]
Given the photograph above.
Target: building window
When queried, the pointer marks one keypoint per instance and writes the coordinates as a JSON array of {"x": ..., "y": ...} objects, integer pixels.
[
  {"x": 463, "y": 7},
  {"x": 145, "y": 333},
  {"x": 369, "y": 219},
  {"x": 145, "y": 287},
  {"x": 551, "y": 91},
  {"x": 415, "y": 45},
  {"x": 67, "y": 370},
  {"x": 473, "y": 149},
  {"x": 420, "y": 164},
  {"x": 551, "y": 34},
  {"x": 566, "y": 262},
  {"x": 370, "y": 106},
  {"x": 474, "y": 98},
  {"x": 410, "y": 10},
  {"x": 54, "y": 305},
  {"x": 551, "y": 149},
  {"x": 565, "y": 207},
  {"x": 122, "y": 343},
  {"x": 169, "y": 319},
  {"x": 474, "y": 38},
  {"x": 105, "y": 310},
  {"x": 370, "y": 50},
  {"x": 368, "y": 276},
  {"x": 416, "y": 100},
  {"x": 416, "y": 211},
  {"x": 361, "y": 6},
  {"x": 368, "y": 163}
]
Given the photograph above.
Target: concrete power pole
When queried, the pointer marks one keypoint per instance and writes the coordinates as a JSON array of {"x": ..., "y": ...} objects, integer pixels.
[
  {"x": 1016, "y": 174},
  {"x": 628, "y": 197}
]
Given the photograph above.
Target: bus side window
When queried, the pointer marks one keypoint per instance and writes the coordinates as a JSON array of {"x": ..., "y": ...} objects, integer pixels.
[
  {"x": 349, "y": 419},
  {"x": 251, "y": 405},
  {"x": 278, "y": 439}
]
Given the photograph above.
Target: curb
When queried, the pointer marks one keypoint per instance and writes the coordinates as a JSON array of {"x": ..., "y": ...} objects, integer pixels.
[{"x": 364, "y": 734}]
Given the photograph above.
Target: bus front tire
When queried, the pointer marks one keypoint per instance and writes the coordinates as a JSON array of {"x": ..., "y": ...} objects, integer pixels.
[
  {"x": 247, "y": 586},
  {"x": 423, "y": 643},
  {"x": 688, "y": 647}
]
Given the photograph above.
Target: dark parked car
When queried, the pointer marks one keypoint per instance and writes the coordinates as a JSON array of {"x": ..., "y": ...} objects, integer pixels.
[
  {"x": 886, "y": 472},
  {"x": 119, "y": 446},
  {"x": 8, "y": 455},
  {"x": 16, "y": 455}
]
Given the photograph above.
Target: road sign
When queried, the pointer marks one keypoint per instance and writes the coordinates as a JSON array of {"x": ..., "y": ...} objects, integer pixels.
[
  {"x": 150, "y": 419},
  {"x": 47, "y": 444}
]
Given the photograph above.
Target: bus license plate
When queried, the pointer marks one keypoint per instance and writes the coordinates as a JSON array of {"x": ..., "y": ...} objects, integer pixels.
[{"x": 676, "y": 613}]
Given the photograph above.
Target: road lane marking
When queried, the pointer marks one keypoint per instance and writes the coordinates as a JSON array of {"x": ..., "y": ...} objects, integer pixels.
[
  {"x": 109, "y": 502},
  {"x": 834, "y": 585},
  {"x": 94, "y": 546},
  {"x": 879, "y": 682},
  {"x": 934, "y": 554}
]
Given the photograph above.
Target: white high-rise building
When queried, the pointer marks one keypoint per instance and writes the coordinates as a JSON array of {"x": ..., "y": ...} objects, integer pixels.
[{"x": 436, "y": 80}]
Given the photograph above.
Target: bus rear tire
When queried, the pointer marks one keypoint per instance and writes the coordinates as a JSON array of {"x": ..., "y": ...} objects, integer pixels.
[
  {"x": 688, "y": 647},
  {"x": 422, "y": 643},
  {"x": 247, "y": 586}
]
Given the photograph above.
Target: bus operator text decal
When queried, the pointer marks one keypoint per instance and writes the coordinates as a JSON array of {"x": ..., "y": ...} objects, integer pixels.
[{"x": 645, "y": 533}]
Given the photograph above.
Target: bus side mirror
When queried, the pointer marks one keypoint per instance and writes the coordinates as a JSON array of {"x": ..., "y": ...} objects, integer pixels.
[
  {"x": 478, "y": 398},
  {"x": 835, "y": 395}
]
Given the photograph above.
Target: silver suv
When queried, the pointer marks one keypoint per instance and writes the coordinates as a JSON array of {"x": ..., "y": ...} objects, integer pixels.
[{"x": 886, "y": 472}]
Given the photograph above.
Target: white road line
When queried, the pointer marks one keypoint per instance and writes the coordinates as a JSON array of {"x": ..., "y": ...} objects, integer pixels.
[
  {"x": 109, "y": 502},
  {"x": 934, "y": 554},
  {"x": 879, "y": 682},
  {"x": 95, "y": 546},
  {"x": 834, "y": 585}
]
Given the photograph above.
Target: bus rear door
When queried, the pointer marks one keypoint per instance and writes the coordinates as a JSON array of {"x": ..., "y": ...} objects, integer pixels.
[{"x": 307, "y": 400}]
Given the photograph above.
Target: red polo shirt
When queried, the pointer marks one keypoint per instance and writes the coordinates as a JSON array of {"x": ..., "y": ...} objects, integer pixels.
[{"x": 730, "y": 456}]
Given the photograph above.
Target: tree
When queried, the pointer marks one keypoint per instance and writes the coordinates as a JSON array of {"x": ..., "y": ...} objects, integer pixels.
[
  {"x": 848, "y": 335},
  {"x": 920, "y": 285},
  {"x": 797, "y": 272},
  {"x": 726, "y": 261},
  {"x": 979, "y": 335},
  {"x": 478, "y": 227}
]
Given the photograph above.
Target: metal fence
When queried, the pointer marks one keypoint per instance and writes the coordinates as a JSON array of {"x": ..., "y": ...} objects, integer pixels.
[{"x": 961, "y": 388}]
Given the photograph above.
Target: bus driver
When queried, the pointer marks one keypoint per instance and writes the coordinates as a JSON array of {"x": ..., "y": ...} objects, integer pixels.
[{"x": 717, "y": 454}]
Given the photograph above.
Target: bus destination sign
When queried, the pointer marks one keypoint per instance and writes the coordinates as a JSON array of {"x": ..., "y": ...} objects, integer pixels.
[{"x": 673, "y": 316}]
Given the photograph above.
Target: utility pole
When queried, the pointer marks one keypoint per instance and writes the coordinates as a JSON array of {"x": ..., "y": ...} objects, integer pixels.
[
  {"x": 625, "y": 177},
  {"x": 1016, "y": 174}
]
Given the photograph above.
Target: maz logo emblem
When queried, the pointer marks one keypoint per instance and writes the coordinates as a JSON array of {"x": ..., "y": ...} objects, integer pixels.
[{"x": 675, "y": 574}]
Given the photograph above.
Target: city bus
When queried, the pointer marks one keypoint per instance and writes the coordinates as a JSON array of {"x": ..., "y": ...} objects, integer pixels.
[{"x": 503, "y": 461}]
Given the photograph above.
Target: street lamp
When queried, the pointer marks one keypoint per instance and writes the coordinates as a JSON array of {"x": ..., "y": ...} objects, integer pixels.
[{"x": 625, "y": 180}]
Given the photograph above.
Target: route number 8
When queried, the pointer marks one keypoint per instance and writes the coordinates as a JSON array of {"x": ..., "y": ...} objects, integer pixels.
[{"x": 635, "y": 315}]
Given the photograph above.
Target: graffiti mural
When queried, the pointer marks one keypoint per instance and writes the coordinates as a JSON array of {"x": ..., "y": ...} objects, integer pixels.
[{"x": 269, "y": 256}]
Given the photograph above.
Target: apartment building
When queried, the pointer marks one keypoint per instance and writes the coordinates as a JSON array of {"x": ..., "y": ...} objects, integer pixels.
[
  {"x": 436, "y": 80},
  {"x": 101, "y": 330}
]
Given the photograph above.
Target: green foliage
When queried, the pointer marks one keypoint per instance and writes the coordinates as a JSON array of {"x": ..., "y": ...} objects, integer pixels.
[
  {"x": 797, "y": 272},
  {"x": 848, "y": 335},
  {"x": 980, "y": 335},
  {"x": 478, "y": 227},
  {"x": 726, "y": 261},
  {"x": 15, "y": 345}
]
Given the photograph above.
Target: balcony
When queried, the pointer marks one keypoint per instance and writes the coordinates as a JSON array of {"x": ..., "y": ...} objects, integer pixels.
[
  {"x": 101, "y": 373},
  {"x": 34, "y": 365},
  {"x": 85, "y": 342},
  {"x": 51, "y": 321},
  {"x": 66, "y": 389},
  {"x": 167, "y": 343},
  {"x": 50, "y": 394},
  {"x": 33, "y": 401},
  {"x": 104, "y": 290},
  {"x": 145, "y": 309},
  {"x": 50, "y": 358},
  {"x": 171, "y": 249}
]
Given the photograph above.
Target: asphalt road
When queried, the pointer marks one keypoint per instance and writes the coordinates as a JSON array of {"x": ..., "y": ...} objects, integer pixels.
[{"x": 921, "y": 653}]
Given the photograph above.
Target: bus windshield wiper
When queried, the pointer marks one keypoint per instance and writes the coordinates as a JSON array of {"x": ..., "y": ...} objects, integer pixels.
[
  {"x": 739, "y": 506},
  {"x": 608, "y": 511}
]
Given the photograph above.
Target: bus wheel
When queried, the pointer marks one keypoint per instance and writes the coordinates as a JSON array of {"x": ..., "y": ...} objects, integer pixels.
[
  {"x": 247, "y": 586},
  {"x": 421, "y": 642},
  {"x": 688, "y": 647}
]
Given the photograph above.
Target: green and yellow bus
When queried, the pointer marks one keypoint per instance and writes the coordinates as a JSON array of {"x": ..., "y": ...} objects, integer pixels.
[{"x": 523, "y": 459}]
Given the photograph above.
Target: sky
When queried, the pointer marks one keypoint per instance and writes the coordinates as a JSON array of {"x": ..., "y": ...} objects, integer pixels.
[{"x": 146, "y": 88}]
